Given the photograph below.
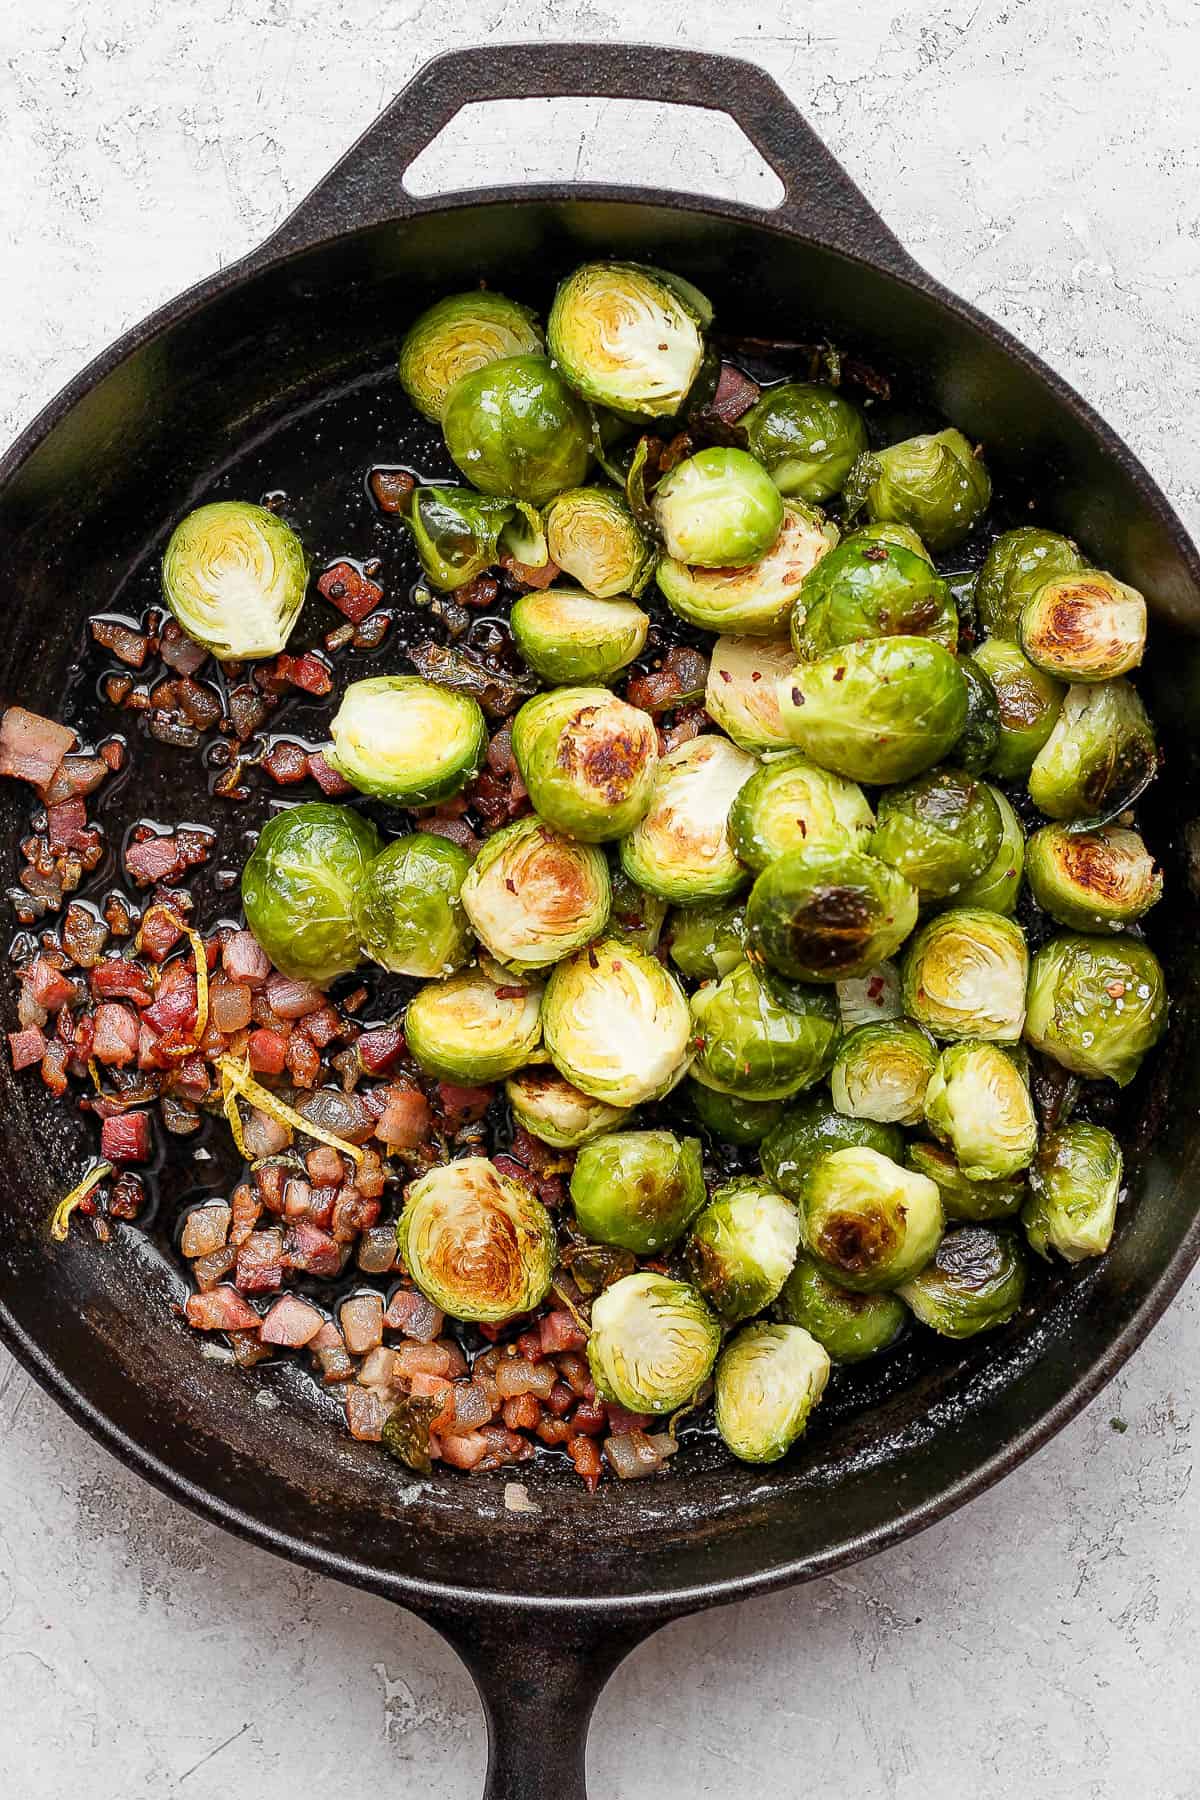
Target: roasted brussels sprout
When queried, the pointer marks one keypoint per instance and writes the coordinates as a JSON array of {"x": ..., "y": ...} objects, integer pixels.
[
  {"x": 997, "y": 888},
  {"x": 595, "y": 539},
  {"x": 871, "y": 998},
  {"x": 769, "y": 1378},
  {"x": 234, "y": 575},
  {"x": 974, "y": 1282},
  {"x": 865, "y": 1221},
  {"x": 1028, "y": 701},
  {"x": 1099, "y": 757},
  {"x": 980, "y": 738},
  {"x": 515, "y": 428},
  {"x": 791, "y": 804},
  {"x": 934, "y": 482},
  {"x": 1096, "y": 1005},
  {"x": 639, "y": 1190},
  {"x": 730, "y": 1119},
  {"x": 534, "y": 895},
  {"x": 718, "y": 509},
  {"x": 879, "y": 711},
  {"x": 1092, "y": 880},
  {"x": 569, "y": 637},
  {"x": 629, "y": 337},
  {"x": 742, "y": 1246},
  {"x": 807, "y": 436},
  {"x": 1074, "y": 1184},
  {"x": 940, "y": 831},
  {"x": 871, "y": 590},
  {"x": 471, "y": 1029},
  {"x": 400, "y": 738},
  {"x": 978, "y": 1102},
  {"x": 554, "y": 1110},
  {"x": 824, "y": 914},
  {"x": 848, "y": 1326},
  {"x": 653, "y": 1343},
  {"x": 759, "y": 1039},
  {"x": 962, "y": 1198},
  {"x": 477, "y": 1243},
  {"x": 457, "y": 532},
  {"x": 299, "y": 887},
  {"x": 1015, "y": 566},
  {"x": 1087, "y": 626},
  {"x": 408, "y": 910},
  {"x": 458, "y": 335},
  {"x": 616, "y": 1023},
  {"x": 635, "y": 915},
  {"x": 881, "y": 1072},
  {"x": 706, "y": 942},
  {"x": 680, "y": 848},
  {"x": 755, "y": 601},
  {"x": 889, "y": 531},
  {"x": 741, "y": 693},
  {"x": 587, "y": 759},
  {"x": 965, "y": 974},
  {"x": 812, "y": 1129}
]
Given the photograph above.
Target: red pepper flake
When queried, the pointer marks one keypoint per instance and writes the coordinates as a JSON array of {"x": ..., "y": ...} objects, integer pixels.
[
  {"x": 511, "y": 993},
  {"x": 1115, "y": 989},
  {"x": 725, "y": 675},
  {"x": 797, "y": 697},
  {"x": 839, "y": 674},
  {"x": 756, "y": 674}
]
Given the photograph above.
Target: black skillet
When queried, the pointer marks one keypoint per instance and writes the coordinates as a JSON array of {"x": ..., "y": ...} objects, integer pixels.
[{"x": 277, "y": 372}]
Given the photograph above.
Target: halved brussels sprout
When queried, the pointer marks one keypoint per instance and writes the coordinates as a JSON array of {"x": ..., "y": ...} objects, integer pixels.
[
  {"x": 872, "y": 998},
  {"x": 1096, "y": 1005},
  {"x": 616, "y": 1023},
  {"x": 769, "y": 1378},
  {"x": 755, "y": 601},
  {"x": 401, "y": 738},
  {"x": 408, "y": 910},
  {"x": 732, "y": 1120},
  {"x": 880, "y": 711},
  {"x": 587, "y": 759},
  {"x": 1015, "y": 566},
  {"x": 552, "y": 1109},
  {"x": 515, "y": 428},
  {"x": 234, "y": 575},
  {"x": 965, "y": 974},
  {"x": 940, "y": 831},
  {"x": 759, "y": 1039},
  {"x": 812, "y": 1129},
  {"x": 808, "y": 436},
  {"x": 740, "y": 695},
  {"x": 458, "y": 335},
  {"x": 963, "y": 1198},
  {"x": 933, "y": 482},
  {"x": 1074, "y": 1185},
  {"x": 635, "y": 915},
  {"x": 824, "y": 914},
  {"x": 629, "y": 337},
  {"x": 848, "y": 1326},
  {"x": 865, "y": 1221},
  {"x": 594, "y": 538},
  {"x": 718, "y": 509},
  {"x": 791, "y": 804},
  {"x": 569, "y": 637},
  {"x": 871, "y": 590},
  {"x": 639, "y": 1190},
  {"x": 1029, "y": 702},
  {"x": 706, "y": 942},
  {"x": 1099, "y": 757},
  {"x": 653, "y": 1343},
  {"x": 997, "y": 888},
  {"x": 1086, "y": 626},
  {"x": 978, "y": 1102},
  {"x": 742, "y": 1247},
  {"x": 881, "y": 1072},
  {"x": 534, "y": 895},
  {"x": 975, "y": 1282},
  {"x": 1092, "y": 880},
  {"x": 457, "y": 532},
  {"x": 472, "y": 1029},
  {"x": 680, "y": 848},
  {"x": 299, "y": 886},
  {"x": 478, "y": 1244},
  {"x": 979, "y": 741}
]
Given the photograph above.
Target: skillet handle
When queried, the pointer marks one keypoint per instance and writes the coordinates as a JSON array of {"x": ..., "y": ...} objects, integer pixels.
[{"x": 366, "y": 186}]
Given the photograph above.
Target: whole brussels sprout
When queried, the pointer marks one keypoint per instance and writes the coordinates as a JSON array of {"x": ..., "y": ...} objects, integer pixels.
[
  {"x": 865, "y": 1221},
  {"x": 706, "y": 942},
  {"x": 762, "y": 1040},
  {"x": 1086, "y": 626},
  {"x": 718, "y": 509},
  {"x": 962, "y": 1198},
  {"x": 636, "y": 915},
  {"x": 808, "y": 437},
  {"x": 1099, "y": 757},
  {"x": 871, "y": 590},
  {"x": 742, "y": 1246},
  {"x": 791, "y": 804},
  {"x": 1096, "y": 1005},
  {"x": 458, "y": 335},
  {"x": 1074, "y": 1185},
  {"x": 594, "y": 538},
  {"x": 732, "y": 1120},
  {"x": 569, "y": 637},
  {"x": 478, "y": 1244},
  {"x": 653, "y": 1342},
  {"x": 639, "y": 1190},
  {"x": 299, "y": 887},
  {"x": 534, "y": 895},
  {"x": 824, "y": 914},
  {"x": 976, "y": 748},
  {"x": 616, "y": 1023},
  {"x": 401, "y": 738},
  {"x": 880, "y": 711},
  {"x": 234, "y": 576},
  {"x": 740, "y": 695},
  {"x": 680, "y": 848},
  {"x": 1028, "y": 701},
  {"x": 934, "y": 482},
  {"x": 881, "y": 1072},
  {"x": 965, "y": 974},
  {"x": 769, "y": 1378},
  {"x": 457, "y": 532},
  {"x": 629, "y": 337},
  {"x": 871, "y": 998},
  {"x": 471, "y": 1029},
  {"x": 975, "y": 1281},
  {"x": 408, "y": 911},
  {"x": 978, "y": 1102},
  {"x": 587, "y": 759},
  {"x": 848, "y": 1326},
  {"x": 1017, "y": 563},
  {"x": 553, "y": 1110},
  {"x": 757, "y": 600},
  {"x": 515, "y": 428},
  {"x": 997, "y": 888},
  {"x": 940, "y": 831},
  {"x": 812, "y": 1129},
  {"x": 1092, "y": 880}
]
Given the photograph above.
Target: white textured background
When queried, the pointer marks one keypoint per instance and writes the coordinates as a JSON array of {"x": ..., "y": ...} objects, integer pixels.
[{"x": 1042, "y": 157}]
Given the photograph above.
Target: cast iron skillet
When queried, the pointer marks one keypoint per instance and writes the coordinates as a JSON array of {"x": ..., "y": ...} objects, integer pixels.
[{"x": 543, "y": 1605}]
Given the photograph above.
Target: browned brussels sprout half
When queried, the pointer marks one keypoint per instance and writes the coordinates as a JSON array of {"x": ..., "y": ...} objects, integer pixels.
[
  {"x": 588, "y": 760},
  {"x": 1084, "y": 627},
  {"x": 1074, "y": 1186},
  {"x": 629, "y": 337},
  {"x": 821, "y": 915},
  {"x": 477, "y": 1243},
  {"x": 235, "y": 575},
  {"x": 1092, "y": 880},
  {"x": 866, "y": 1222},
  {"x": 1099, "y": 757},
  {"x": 457, "y": 335},
  {"x": 1028, "y": 702},
  {"x": 1015, "y": 566},
  {"x": 812, "y": 1128}
]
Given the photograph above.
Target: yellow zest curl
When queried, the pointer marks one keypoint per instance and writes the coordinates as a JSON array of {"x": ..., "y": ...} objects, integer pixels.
[
  {"x": 60, "y": 1219},
  {"x": 240, "y": 1084}
]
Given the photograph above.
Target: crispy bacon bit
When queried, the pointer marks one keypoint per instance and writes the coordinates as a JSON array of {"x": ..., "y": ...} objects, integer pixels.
[
  {"x": 307, "y": 1247},
  {"x": 286, "y": 762},
  {"x": 31, "y": 747},
  {"x": 585, "y": 1454},
  {"x": 116, "y": 979},
  {"x": 267, "y": 1050},
  {"x": 122, "y": 641},
  {"x": 414, "y": 1315},
  {"x": 306, "y": 672},
  {"x": 26, "y": 1047},
  {"x": 735, "y": 394},
  {"x": 463, "y": 1105},
  {"x": 331, "y": 784},
  {"x": 686, "y": 725},
  {"x": 116, "y": 1035},
  {"x": 260, "y": 1262},
  {"x": 380, "y": 1049},
  {"x": 67, "y": 826},
  {"x": 292, "y": 999},
  {"x": 558, "y": 1331},
  {"x": 291, "y": 1323},
  {"x": 391, "y": 488},
  {"x": 406, "y": 1121},
  {"x": 481, "y": 592},
  {"x": 125, "y": 1138},
  {"x": 530, "y": 575},
  {"x": 243, "y": 959},
  {"x": 221, "y": 1309},
  {"x": 48, "y": 986},
  {"x": 350, "y": 591},
  {"x": 154, "y": 859}
]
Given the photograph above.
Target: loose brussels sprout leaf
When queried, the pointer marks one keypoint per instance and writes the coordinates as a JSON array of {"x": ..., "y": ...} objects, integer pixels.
[
  {"x": 458, "y": 335},
  {"x": 457, "y": 533},
  {"x": 407, "y": 910},
  {"x": 400, "y": 738},
  {"x": 807, "y": 436},
  {"x": 299, "y": 887},
  {"x": 762, "y": 1041},
  {"x": 825, "y": 914},
  {"x": 965, "y": 974},
  {"x": 1074, "y": 1184},
  {"x": 871, "y": 590},
  {"x": 757, "y": 600},
  {"x": 556, "y": 1112},
  {"x": 881, "y": 1072},
  {"x": 940, "y": 831},
  {"x": 234, "y": 576},
  {"x": 1015, "y": 566},
  {"x": 1092, "y": 880},
  {"x": 569, "y": 637},
  {"x": 978, "y": 1102},
  {"x": 769, "y": 1378},
  {"x": 534, "y": 895},
  {"x": 1084, "y": 627},
  {"x": 680, "y": 848},
  {"x": 933, "y": 482},
  {"x": 628, "y": 337},
  {"x": 865, "y": 1221},
  {"x": 472, "y": 1029},
  {"x": 638, "y": 1190},
  {"x": 870, "y": 999},
  {"x": 742, "y": 1247},
  {"x": 812, "y": 1129},
  {"x": 997, "y": 888},
  {"x": 791, "y": 804},
  {"x": 1096, "y": 1005},
  {"x": 718, "y": 509},
  {"x": 729, "y": 1119},
  {"x": 962, "y": 1198},
  {"x": 878, "y": 712},
  {"x": 653, "y": 1344},
  {"x": 976, "y": 748},
  {"x": 587, "y": 759},
  {"x": 515, "y": 428},
  {"x": 636, "y": 915},
  {"x": 741, "y": 696},
  {"x": 407, "y": 1428},
  {"x": 706, "y": 942},
  {"x": 616, "y": 1023},
  {"x": 1029, "y": 703},
  {"x": 593, "y": 537},
  {"x": 1099, "y": 757},
  {"x": 848, "y": 1326},
  {"x": 478, "y": 1244},
  {"x": 975, "y": 1282}
]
